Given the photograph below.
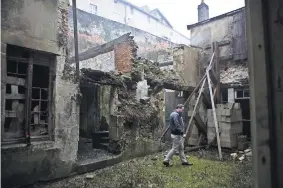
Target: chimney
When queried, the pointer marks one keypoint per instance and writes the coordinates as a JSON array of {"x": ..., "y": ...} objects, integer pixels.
[{"x": 203, "y": 11}]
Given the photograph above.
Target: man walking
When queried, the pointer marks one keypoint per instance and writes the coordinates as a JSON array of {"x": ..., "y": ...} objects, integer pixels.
[{"x": 177, "y": 134}]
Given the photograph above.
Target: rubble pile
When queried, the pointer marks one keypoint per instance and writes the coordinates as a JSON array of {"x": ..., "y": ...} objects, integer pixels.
[
  {"x": 241, "y": 155},
  {"x": 235, "y": 74},
  {"x": 159, "y": 78}
]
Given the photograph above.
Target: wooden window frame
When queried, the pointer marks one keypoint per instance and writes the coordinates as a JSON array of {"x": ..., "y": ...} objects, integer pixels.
[{"x": 50, "y": 62}]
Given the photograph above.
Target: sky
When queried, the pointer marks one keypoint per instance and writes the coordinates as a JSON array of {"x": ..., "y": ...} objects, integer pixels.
[{"x": 181, "y": 13}]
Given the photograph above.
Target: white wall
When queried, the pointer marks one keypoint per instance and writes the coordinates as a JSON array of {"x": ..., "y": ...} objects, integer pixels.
[{"x": 122, "y": 13}]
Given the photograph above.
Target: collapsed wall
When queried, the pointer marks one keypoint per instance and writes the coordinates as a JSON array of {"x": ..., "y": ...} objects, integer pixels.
[{"x": 136, "y": 114}]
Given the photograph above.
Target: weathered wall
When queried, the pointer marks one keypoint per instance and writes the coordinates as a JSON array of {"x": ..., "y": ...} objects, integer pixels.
[
  {"x": 94, "y": 30},
  {"x": 21, "y": 27},
  {"x": 47, "y": 32},
  {"x": 127, "y": 14},
  {"x": 185, "y": 63},
  {"x": 230, "y": 31},
  {"x": 230, "y": 28}
]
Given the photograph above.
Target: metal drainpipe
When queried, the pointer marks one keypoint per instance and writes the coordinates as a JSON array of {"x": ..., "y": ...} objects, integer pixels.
[{"x": 76, "y": 41}]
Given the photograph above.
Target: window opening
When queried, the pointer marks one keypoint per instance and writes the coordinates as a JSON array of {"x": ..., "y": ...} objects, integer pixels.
[{"x": 14, "y": 126}]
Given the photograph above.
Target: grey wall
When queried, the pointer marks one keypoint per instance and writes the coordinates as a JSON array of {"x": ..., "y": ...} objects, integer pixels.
[
  {"x": 231, "y": 28},
  {"x": 22, "y": 25}
]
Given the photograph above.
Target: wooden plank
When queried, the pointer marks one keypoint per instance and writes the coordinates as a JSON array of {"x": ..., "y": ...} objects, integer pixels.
[
  {"x": 50, "y": 111},
  {"x": 101, "y": 49},
  {"x": 217, "y": 74},
  {"x": 15, "y": 96},
  {"x": 221, "y": 43},
  {"x": 214, "y": 115},
  {"x": 28, "y": 99},
  {"x": 194, "y": 91},
  {"x": 213, "y": 77},
  {"x": 15, "y": 81},
  {"x": 3, "y": 86},
  {"x": 200, "y": 124}
]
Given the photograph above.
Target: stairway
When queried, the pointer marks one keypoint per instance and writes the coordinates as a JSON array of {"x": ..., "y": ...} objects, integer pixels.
[{"x": 100, "y": 140}]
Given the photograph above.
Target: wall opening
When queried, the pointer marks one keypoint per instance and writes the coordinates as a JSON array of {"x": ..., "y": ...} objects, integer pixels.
[{"x": 17, "y": 118}]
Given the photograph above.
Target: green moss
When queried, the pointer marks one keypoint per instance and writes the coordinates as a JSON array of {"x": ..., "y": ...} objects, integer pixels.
[{"x": 149, "y": 172}]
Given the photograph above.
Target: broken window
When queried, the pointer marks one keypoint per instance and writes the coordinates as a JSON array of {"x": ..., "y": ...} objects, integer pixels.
[
  {"x": 180, "y": 94},
  {"x": 242, "y": 93},
  {"x": 28, "y": 95}
]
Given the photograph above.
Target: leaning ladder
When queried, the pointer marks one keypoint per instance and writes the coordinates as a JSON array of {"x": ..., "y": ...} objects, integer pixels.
[{"x": 205, "y": 78}]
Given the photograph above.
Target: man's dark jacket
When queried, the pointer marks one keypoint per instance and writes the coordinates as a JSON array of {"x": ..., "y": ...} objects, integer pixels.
[{"x": 176, "y": 124}]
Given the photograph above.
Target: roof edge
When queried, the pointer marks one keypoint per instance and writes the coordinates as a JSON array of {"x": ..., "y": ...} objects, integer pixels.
[{"x": 189, "y": 27}]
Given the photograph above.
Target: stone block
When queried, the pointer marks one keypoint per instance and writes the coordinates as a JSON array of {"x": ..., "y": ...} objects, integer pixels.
[{"x": 193, "y": 141}]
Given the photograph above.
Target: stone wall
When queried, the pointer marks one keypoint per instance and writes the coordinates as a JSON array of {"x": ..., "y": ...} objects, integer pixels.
[{"x": 46, "y": 32}]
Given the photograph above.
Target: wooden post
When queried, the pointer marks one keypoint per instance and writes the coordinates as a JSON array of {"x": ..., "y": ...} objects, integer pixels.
[
  {"x": 3, "y": 86},
  {"x": 214, "y": 115},
  {"x": 28, "y": 99},
  {"x": 216, "y": 69}
]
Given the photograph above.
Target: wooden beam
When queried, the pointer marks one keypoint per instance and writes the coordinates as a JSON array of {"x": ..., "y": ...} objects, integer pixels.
[
  {"x": 28, "y": 99},
  {"x": 214, "y": 115},
  {"x": 194, "y": 111},
  {"x": 101, "y": 49},
  {"x": 213, "y": 77},
  {"x": 217, "y": 73},
  {"x": 221, "y": 43},
  {"x": 15, "y": 81},
  {"x": 15, "y": 96},
  {"x": 200, "y": 124}
]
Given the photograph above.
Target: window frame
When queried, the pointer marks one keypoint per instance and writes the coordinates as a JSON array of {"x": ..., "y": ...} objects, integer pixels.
[
  {"x": 243, "y": 93},
  {"x": 50, "y": 62}
]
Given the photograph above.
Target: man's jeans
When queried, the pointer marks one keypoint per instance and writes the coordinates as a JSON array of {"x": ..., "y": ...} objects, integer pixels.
[{"x": 178, "y": 146}]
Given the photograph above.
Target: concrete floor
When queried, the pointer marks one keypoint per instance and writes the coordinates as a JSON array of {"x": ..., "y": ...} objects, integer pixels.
[{"x": 87, "y": 154}]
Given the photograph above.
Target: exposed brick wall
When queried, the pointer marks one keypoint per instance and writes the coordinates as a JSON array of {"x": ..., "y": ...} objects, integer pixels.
[{"x": 124, "y": 57}]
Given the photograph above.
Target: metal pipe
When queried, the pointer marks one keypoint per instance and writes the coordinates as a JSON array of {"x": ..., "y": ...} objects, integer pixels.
[{"x": 76, "y": 41}]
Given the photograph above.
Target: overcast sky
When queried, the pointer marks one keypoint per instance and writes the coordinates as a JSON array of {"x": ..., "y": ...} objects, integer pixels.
[{"x": 180, "y": 13}]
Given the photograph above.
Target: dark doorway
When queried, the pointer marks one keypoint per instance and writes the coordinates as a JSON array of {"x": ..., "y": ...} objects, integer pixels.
[
  {"x": 245, "y": 106},
  {"x": 172, "y": 98}
]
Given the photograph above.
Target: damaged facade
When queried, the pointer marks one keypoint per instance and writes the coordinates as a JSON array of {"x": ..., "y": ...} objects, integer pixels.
[
  {"x": 55, "y": 126},
  {"x": 229, "y": 30},
  {"x": 39, "y": 110}
]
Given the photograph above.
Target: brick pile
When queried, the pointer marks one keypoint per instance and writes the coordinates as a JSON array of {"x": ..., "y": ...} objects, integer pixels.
[{"x": 230, "y": 124}]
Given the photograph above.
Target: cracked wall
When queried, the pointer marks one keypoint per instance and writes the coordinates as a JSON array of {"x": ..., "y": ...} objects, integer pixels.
[{"x": 43, "y": 160}]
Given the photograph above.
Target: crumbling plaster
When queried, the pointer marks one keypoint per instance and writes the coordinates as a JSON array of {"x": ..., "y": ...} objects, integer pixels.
[
  {"x": 94, "y": 30},
  {"x": 20, "y": 27}
]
